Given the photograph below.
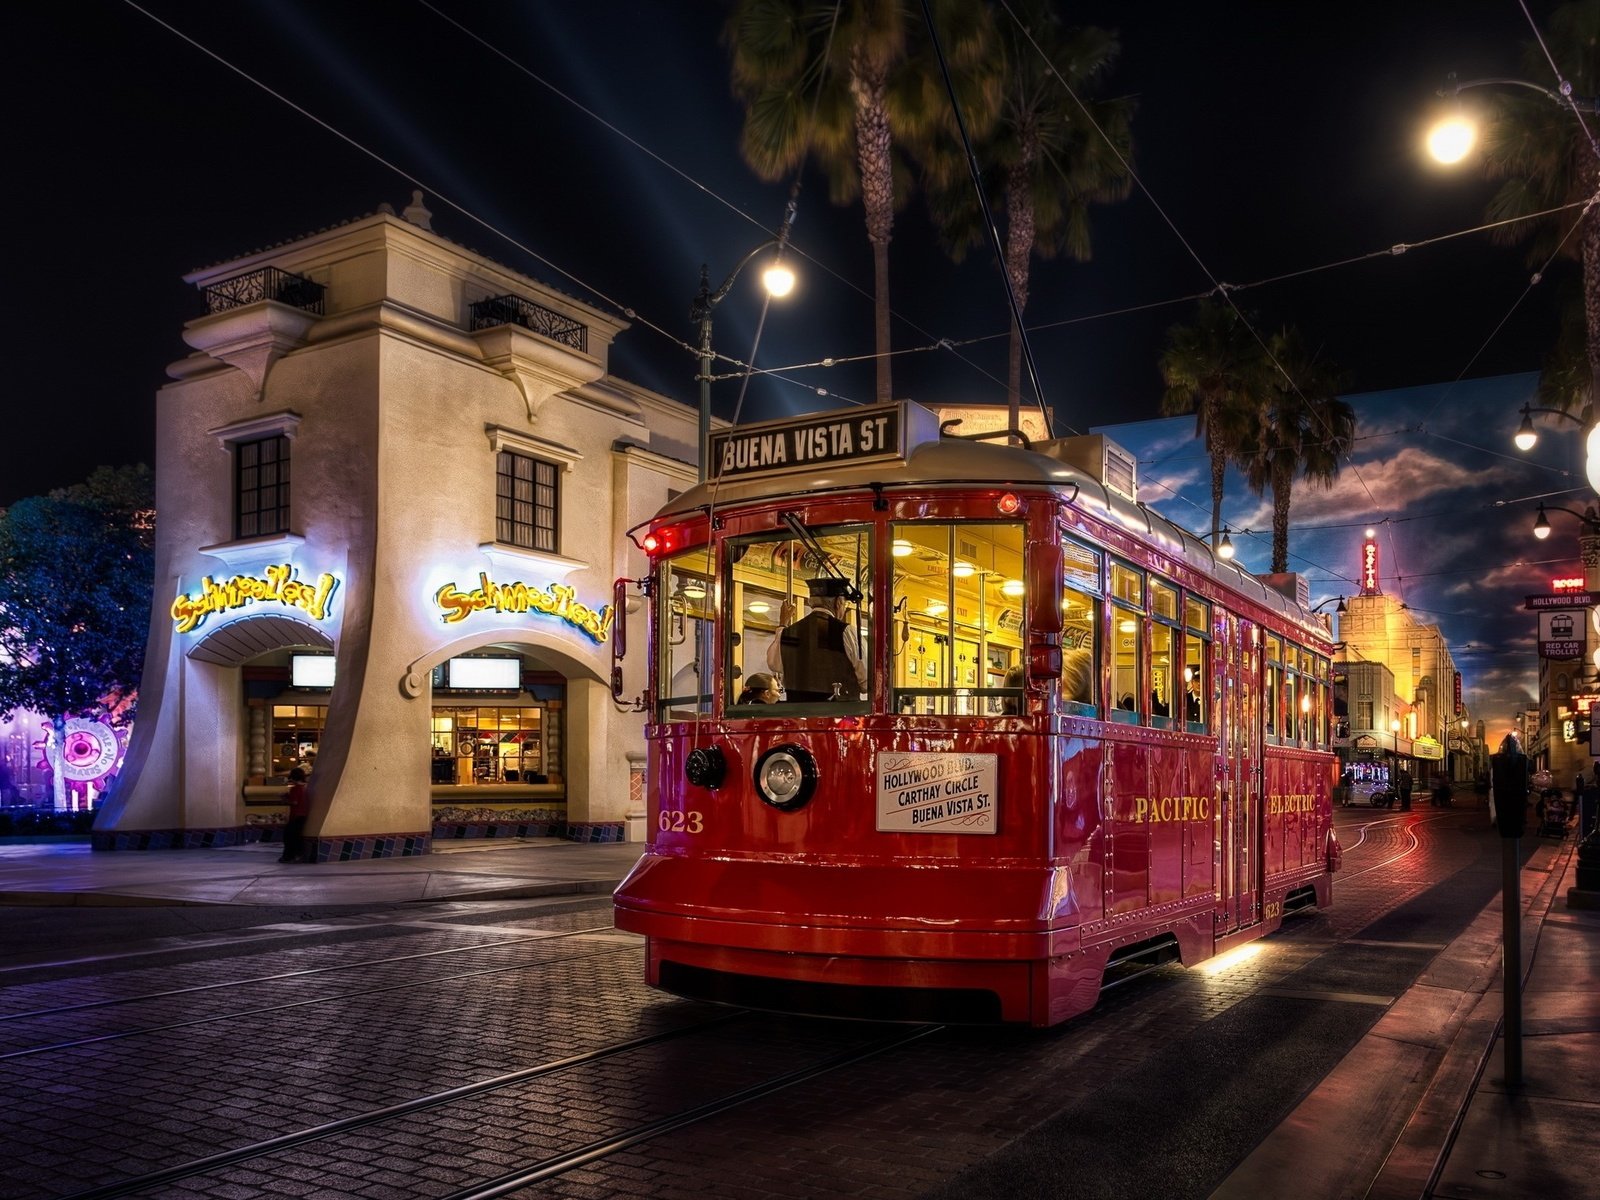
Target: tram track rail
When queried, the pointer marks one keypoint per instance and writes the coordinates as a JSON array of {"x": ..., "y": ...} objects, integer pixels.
[
  {"x": 1408, "y": 829},
  {"x": 305, "y": 972},
  {"x": 265, "y": 1010},
  {"x": 241, "y": 1154}
]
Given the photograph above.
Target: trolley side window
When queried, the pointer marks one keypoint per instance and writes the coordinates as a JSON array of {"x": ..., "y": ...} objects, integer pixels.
[
  {"x": 1127, "y": 643},
  {"x": 957, "y": 599},
  {"x": 1272, "y": 682},
  {"x": 1164, "y": 644},
  {"x": 1080, "y": 634},
  {"x": 685, "y": 652},
  {"x": 1196, "y": 663},
  {"x": 799, "y": 609}
]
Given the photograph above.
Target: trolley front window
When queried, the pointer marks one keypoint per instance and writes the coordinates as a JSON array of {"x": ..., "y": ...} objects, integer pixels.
[
  {"x": 797, "y": 607},
  {"x": 958, "y": 595}
]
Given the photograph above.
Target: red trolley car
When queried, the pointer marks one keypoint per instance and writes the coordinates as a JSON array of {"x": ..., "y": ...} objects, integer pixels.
[{"x": 1068, "y": 735}]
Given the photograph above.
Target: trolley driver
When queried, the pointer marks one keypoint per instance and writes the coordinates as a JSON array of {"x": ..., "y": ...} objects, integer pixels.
[{"x": 819, "y": 656}]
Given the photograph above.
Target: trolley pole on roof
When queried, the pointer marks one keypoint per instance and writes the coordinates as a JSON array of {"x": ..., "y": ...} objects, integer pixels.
[{"x": 1013, "y": 403}]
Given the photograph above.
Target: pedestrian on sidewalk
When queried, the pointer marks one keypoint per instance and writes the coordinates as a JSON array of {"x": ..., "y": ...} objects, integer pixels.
[{"x": 294, "y": 829}]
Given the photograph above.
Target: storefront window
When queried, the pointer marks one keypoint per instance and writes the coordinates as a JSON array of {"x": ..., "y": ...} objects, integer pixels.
[
  {"x": 296, "y": 735},
  {"x": 476, "y": 744}
]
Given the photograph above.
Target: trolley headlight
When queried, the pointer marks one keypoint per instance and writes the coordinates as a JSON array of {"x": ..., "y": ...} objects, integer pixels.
[
  {"x": 785, "y": 776},
  {"x": 705, "y": 767}
]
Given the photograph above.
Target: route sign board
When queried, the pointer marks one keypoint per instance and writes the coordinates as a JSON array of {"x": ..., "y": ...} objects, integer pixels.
[{"x": 1562, "y": 633}]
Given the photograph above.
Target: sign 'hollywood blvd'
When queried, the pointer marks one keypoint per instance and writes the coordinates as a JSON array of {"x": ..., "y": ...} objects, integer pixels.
[
  {"x": 860, "y": 435},
  {"x": 1561, "y": 600}
]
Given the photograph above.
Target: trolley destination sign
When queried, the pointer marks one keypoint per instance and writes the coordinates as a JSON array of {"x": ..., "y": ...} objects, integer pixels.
[
  {"x": 937, "y": 793},
  {"x": 799, "y": 443}
]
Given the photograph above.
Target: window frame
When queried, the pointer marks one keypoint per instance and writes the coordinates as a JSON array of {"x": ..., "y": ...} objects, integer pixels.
[
  {"x": 509, "y": 456},
  {"x": 280, "y": 487}
]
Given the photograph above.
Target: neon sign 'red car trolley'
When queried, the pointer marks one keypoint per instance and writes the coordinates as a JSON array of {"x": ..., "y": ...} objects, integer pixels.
[{"x": 1076, "y": 738}]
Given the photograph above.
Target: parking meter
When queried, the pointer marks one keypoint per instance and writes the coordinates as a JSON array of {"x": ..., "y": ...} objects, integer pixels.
[{"x": 1509, "y": 769}]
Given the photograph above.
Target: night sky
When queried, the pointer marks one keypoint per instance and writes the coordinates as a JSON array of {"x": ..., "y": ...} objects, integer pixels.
[{"x": 1272, "y": 138}]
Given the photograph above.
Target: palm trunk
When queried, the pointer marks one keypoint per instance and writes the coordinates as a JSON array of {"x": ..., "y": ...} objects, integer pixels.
[
  {"x": 1591, "y": 290},
  {"x": 1020, "y": 235},
  {"x": 1282, "y": 486},
  {"x": 1219, "y": 465},
  {"x": 873, "y": 144}
]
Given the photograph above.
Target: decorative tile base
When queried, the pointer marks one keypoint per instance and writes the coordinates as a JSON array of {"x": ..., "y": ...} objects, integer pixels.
[
  {"x": 597, "y": 831},
  {"x": 365, "y": 846},
  {"x": 449, "y": 831},
  {"x": 174, "y": 839}
]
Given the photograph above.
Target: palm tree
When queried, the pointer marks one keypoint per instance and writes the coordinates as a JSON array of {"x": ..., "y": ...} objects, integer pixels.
[
  {"x": 1045, "y": 161},
  {"x": 1215, "y": 368},
  {"x": 1303, "y": 428},
  {"x": 834, "y": 80},
  {"x": 1542, "y": 152}
]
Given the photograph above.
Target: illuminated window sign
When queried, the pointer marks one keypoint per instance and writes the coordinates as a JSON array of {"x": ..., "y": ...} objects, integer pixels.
[
  {"x": 484, "y": 674},
  {"x": 276, "y": 585},
  {"x": 554, "y": 600},
  {"x": 311, "y": 670}
]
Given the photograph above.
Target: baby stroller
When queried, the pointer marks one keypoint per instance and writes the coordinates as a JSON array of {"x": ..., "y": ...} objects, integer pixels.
[{"x": 1553, "y": 813}]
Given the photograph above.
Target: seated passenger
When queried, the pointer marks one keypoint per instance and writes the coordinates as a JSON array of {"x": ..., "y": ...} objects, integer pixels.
[
  {"x": 1158, "y": 706},
  {"x": 1011, "y": 706},
  {"x": 1077, "y": 675},
  {"x": 760, "y": 688}
]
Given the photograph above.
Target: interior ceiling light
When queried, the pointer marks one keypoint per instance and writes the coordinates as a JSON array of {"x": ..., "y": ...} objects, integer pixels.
[
  {"x": 694, "y": 589},
  {"x": 759, "y": 606},
  {"x": 1012, "y": 587},
  {"x": 963, "y": 570},
  {"x": 937, "y": 608},
  {"x": 900, "y": 547},
  {"x": 1128, "y": 627}
]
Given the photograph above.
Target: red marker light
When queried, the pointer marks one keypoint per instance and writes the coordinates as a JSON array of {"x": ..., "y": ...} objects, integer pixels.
[
  {"x": 1008, "y": 503},
  {"x": 650, "y": 543}
]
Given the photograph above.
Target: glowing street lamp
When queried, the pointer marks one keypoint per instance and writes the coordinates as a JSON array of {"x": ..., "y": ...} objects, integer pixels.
[{"x": 778, "y": 280}]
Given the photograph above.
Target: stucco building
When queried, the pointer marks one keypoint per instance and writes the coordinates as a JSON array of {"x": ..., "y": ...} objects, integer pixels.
[{"x": 393, "y": 484}]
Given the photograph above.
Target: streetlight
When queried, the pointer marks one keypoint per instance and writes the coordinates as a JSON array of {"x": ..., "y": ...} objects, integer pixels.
[
  {"x": 1541, "y": 523},
  {"x": 778, "y": 280},
  {"x": 1451, "y": 138},
  {"x": 1527, "y": 435},
  {"x": 1224, "y": 547}
]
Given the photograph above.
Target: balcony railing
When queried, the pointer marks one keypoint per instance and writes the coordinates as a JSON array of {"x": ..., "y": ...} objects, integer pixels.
[
  {"x": 267, "y": 283},
  {"x": 514, "y": 310}
]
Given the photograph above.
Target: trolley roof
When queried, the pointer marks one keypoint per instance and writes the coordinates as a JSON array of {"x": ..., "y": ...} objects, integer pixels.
[{"x": 954, "y": 462}]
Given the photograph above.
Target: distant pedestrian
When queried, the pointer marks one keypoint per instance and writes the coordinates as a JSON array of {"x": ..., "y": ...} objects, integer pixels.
[
  {"x": 1404, "y": 782},
  {"x": 294, "y": 829}
]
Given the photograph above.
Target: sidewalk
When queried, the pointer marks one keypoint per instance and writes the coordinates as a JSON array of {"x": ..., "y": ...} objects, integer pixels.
[
  {"x": 59, "y": 873},
  {"x": 1417, "y": 1109}
]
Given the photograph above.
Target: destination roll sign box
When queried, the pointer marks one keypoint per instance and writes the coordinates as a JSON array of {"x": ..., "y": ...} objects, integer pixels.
[{"x": 856, "y": 435}]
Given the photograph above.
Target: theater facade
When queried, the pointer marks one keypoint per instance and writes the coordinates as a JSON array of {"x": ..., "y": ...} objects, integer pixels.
[{"x": 394, "y": 480}]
